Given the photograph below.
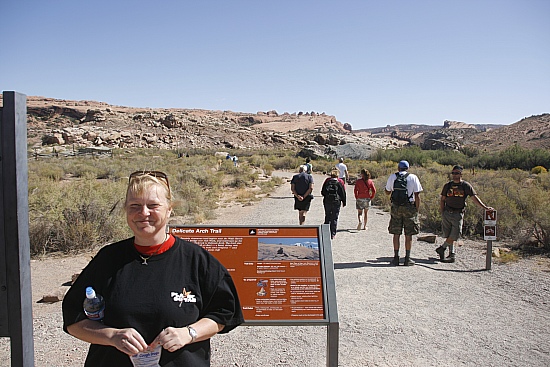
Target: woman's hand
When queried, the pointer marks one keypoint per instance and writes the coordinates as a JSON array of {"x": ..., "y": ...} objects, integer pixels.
[
  {"x": 129, "y": 341},
  {"x": 173, "y": 338}
]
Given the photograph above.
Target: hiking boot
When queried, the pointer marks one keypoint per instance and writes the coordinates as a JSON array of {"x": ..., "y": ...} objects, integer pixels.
[
  {"x": 408, "y": 262},
  {"x": 450, "y": 259},
  {"x": 395, "y": 261},
  {"x": 441, "y": 252}
]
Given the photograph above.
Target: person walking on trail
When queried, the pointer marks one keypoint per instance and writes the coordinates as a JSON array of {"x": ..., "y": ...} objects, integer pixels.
[
  {"x": 404, "y": 189},
  {"x": 364, "y": 191},
  {"x": 301, "y": 186},
  {"x": 343, "y": 171},
  {"x": 309, "y": 166},
  {"x": 451, "y": 207},
  {"x": 334, "y": 196}
]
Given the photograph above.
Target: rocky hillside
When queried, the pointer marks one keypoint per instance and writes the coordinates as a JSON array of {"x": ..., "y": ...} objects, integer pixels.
[
  {"x": 62, "y": 124},
  {"x": 530, "y": 132},
  {"x": 67, "y": 125}
]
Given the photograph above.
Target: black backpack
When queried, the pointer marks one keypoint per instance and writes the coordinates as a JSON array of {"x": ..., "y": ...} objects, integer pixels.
[
  {"x": 332, "y": 191},
  {"x": 399, "y": 194}
]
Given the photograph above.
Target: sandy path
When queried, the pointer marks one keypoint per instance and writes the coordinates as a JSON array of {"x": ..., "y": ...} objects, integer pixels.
[{"x": 431, "y": 314}]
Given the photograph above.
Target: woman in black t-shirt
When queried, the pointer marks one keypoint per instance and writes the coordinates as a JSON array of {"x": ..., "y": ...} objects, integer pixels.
[{"x": 163, "y": 295}]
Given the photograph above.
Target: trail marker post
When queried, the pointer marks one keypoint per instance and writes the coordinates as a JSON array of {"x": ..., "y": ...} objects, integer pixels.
[
  {"x": 15, "y": 272},
  {"x": 489, "y": 234}
]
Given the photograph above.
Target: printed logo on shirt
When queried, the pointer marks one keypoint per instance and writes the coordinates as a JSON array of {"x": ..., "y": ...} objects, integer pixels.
[
  {"x": 185, "y": 296},
  {"x": 455, "y": 191}
]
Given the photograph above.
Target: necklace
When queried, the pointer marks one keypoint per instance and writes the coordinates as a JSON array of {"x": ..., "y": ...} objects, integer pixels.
[{"x": 145, "y": 258}]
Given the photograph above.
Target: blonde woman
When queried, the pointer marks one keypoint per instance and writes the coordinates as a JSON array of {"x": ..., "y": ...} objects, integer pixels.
[{"x": 161, "y": 293}]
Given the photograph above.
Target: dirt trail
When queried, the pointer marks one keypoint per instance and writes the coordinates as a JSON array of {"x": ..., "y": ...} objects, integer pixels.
[{"x": 431, "y": 314}]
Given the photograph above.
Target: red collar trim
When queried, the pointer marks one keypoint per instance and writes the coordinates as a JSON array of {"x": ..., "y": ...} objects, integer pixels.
[{"x": 156, "y": 249}]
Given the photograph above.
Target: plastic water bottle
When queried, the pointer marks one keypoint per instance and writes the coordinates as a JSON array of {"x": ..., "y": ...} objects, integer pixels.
[{"x": 94, "y": 305}]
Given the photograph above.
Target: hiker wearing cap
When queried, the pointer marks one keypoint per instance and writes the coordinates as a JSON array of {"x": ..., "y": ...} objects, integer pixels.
[
  {"x": 404, "y": 189},
  {"x": 451, "y": 207}
]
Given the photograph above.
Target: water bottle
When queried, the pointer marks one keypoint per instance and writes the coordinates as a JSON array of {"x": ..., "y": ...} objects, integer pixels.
[{"x": 94, "y": 305}]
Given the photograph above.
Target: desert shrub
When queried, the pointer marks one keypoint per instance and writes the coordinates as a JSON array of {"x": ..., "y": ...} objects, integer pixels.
[
  {"x": 287, "y": 162},
  {"x": 538, "y": 170},
  {"x": 76, "y": 203},
  {"x": 268, "y": 186},
  {"x": 257, "y": 160},
  {"x": 244, "y": 195},
  {"x": 268, "y": 168},
  {"x": 536, "y": 224},
  {"x": 73, "y": 215}
]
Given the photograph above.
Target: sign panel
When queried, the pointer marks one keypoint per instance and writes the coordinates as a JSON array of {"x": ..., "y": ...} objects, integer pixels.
[
  {"x": 490, "y": 217},
  {"x": 490, "y": 233},
  {"x": 277, "y": 270}
]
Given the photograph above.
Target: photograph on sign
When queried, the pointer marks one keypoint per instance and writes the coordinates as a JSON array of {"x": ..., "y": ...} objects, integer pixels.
[
  {"x": 490, "y": 233},
  {"x": 490, "y": 217},
  {"x": 277, "y": 270}
]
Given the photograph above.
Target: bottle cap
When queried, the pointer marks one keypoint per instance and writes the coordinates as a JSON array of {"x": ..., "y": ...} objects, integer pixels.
[{"x": 90, "y": 293}]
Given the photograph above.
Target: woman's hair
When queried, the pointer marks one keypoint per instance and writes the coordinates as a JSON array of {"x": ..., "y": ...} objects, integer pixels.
[
  {"x": 138, "y": 184},
  {"x": 366, "y": 173},
  {"x": 334, "y": 173}
]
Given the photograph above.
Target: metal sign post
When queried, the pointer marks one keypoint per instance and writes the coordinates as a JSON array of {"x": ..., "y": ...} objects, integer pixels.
[
  {"x": 15, "y": 272},
  {"x": 489, "y": 234}
]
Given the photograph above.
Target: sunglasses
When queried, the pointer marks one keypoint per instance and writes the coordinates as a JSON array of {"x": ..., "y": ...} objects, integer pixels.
[
  {"x": 156, "y": 174},
  {"x": 456, "y": 173}
]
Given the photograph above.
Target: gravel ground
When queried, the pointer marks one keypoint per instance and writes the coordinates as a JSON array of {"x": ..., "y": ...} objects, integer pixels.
[{"x": 431, "y": 314}]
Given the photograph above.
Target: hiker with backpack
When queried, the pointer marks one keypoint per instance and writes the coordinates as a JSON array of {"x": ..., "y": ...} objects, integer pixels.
[
  {"x": 404, "y": 189},
  {"x": 364, "y": 191},
  {"x": 309, "y": 166},
  {"x": 451, "y": 207},
  {"x": 334, "y": 196}
]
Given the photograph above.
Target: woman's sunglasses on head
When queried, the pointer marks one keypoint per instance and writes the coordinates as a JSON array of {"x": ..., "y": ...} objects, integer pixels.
[{"x": 156, "y": 174}]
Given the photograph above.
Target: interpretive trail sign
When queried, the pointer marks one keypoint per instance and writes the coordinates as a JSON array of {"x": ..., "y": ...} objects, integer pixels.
[{"x": 283, "y": 275}]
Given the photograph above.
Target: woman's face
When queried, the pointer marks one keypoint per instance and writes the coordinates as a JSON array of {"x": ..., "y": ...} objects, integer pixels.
[{"x": 147, "y": 213}]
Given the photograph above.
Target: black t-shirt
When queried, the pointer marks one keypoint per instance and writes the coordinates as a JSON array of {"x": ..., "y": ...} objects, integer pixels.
[
  {"x": 176, "y": 288},
  {"x": 301, "y": 182},
  {"x": 457, "y": 193}
]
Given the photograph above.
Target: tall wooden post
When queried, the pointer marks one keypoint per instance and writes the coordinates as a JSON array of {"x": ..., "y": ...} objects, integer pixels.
[{"x": 15, "y": 273}]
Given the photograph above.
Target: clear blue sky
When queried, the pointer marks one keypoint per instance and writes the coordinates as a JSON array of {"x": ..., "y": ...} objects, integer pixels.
[{"x": 369, "y": 63}]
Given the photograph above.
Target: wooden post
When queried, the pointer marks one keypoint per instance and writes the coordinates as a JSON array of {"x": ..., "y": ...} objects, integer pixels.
[
  {"x": 15, "y": 287},
  {"x": 488, "y": 259}
]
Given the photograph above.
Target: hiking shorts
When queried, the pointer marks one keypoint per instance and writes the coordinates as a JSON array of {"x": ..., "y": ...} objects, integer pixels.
[
  {"x": 404, "y": 217},
  {"x": 304, "y": 204},
  {"x": 361, "y": 204},
  {"x": 451, "y": 224}
]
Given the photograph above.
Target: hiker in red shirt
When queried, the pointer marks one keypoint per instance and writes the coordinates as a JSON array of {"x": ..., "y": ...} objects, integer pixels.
[{"x": 364, "y": 192}]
